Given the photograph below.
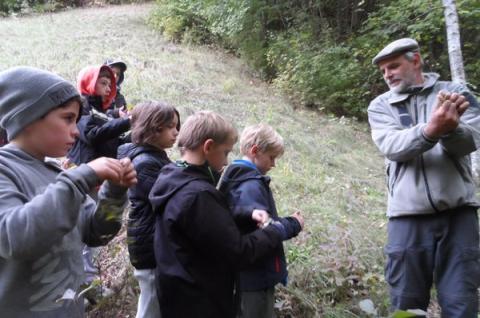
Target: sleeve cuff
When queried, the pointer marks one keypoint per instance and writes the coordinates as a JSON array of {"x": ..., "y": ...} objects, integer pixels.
[
  {"x": 429, "y": 139},
  {"x": 84, "y": 176}
]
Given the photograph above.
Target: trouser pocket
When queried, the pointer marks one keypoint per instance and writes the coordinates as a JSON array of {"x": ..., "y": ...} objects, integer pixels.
[{"x": 394, "y": 267}]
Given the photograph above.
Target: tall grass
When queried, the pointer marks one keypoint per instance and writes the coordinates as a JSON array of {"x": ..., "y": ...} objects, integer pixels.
[{"x": 330, "y": 171}]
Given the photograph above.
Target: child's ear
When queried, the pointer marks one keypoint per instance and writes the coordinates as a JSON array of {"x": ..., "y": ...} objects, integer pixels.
[
  {"x": 208, "y": 145},
  {"x": 254, "y": 150}
]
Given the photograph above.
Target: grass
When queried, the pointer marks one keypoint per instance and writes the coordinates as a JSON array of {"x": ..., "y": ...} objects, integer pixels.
[{"x": 330, "y": 171}]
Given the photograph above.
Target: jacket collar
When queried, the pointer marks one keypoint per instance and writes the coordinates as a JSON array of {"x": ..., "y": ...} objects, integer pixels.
[{"x": 430, "y": 80}]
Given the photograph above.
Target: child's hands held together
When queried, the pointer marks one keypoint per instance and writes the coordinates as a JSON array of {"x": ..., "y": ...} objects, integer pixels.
[
  {"x": 260, "y": 216},
  {"x": 124, "y": 112},
  {"x": 119, "y": 172},
  {"x": 298, "y": 216},
  {"x": 129, "y": 173}
]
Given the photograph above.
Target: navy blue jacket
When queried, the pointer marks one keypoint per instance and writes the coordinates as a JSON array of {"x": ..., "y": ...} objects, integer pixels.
[
  {"x": 198, "y": 246},
  {"x": 147, "y": 161},
  {"x": 100, "y": 135},
  {"x": 247, "y": 189}
]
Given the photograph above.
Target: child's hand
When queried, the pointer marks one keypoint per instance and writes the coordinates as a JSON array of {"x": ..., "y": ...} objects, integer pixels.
[
  {"x": 297, "y": 215},
  {"x": 123, "y": 112},
  {"x": 129, "y": 174},
  {"x": 260, "y": 216},
  {"x": 107, "y": 169},
  {"x": 67, "y": 164}
]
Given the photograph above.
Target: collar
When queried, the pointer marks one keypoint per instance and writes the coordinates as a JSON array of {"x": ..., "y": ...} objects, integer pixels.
[
  {"x": 204, "y": 169},
  {"x": 430, "y": 80},
  {"x": 245, "y": 162}
]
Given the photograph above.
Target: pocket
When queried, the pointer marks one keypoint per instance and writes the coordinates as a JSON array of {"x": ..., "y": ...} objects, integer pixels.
[
  {"x": 387, "y": 176},
  {"x": 394, "y": 267},
  {"x": 471, "y": 262}
]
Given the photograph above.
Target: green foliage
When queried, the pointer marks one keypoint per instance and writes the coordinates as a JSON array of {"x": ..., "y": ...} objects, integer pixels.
[
  {"x": 180, "y": 21},
  {"x": 319, "y": 52}
]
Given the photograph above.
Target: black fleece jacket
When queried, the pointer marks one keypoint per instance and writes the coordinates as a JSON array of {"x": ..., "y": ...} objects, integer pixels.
[
  {"x": 147, "y": 161},
  {"x": 198, "y": 247}
]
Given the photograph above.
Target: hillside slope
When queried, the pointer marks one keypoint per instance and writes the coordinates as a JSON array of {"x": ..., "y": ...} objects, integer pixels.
[{"x": 331, "y": 171}]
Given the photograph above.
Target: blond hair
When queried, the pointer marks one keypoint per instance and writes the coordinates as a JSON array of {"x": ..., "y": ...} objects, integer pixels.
[
  {"x": 205, "y": 125},
  {"x": 264, "y": 137}
]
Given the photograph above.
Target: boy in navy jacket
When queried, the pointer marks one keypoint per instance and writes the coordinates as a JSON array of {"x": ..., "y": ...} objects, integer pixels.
[{"x": 247, "y": 189}]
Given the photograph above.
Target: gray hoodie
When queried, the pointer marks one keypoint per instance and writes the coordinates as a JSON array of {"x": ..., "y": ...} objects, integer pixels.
[
  {"x": 45, "y": 219},
  {"x": 424, "y": 176}
]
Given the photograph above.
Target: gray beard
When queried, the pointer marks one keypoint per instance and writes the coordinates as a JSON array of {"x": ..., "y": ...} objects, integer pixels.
[{"x": 400, "y": 88}]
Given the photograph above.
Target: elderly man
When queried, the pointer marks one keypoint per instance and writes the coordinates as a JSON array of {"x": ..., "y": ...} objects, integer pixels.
[{"x": 426, "y": 129}]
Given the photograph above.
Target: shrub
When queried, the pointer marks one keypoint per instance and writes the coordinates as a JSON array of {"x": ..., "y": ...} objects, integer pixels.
[{"x": 319, "y": 51}]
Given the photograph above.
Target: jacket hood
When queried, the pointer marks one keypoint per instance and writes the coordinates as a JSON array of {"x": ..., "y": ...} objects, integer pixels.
[
  {"x": 429, "y": 80},
  {"x": 132, "y": 150},
  {"x": 174, "y": 176},
  {"x": 241, "y": 170},
  {"x": 121, "y": 65},
  {"x": 87, "y": 78},
  {"x": 12, "y": 152},
  {"x": 126, "y": 150}
]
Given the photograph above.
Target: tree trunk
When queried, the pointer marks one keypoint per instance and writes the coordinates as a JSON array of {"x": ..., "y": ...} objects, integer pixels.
[
  {"x": 456, "y": 63},
  {"x": 453, "y": 40}
]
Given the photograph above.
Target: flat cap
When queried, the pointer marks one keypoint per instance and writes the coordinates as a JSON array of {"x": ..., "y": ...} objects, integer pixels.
[{"x": 395, "y": 48}]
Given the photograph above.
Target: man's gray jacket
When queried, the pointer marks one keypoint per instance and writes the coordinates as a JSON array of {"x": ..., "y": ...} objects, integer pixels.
[{"x": 424, "y": 176}]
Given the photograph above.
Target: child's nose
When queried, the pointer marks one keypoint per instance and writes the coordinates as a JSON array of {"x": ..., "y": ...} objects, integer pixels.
[{"x": 75, "y": 131}]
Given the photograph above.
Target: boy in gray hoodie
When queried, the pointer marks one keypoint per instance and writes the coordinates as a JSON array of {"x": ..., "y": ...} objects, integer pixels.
[{"x": 46, "y": 215}]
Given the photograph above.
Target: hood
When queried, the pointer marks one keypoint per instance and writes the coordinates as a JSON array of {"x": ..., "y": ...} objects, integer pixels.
[
  {"x": 241, "y": 170},
  {"x": 87, "y": 78},
  {"x": 238, "y": 172},
  {"x": 121, "y": 65},
  {"x": 132, "y": 151},
  {"x": 126, "y": 150},
  {"x": 174, "y": 176},
  {"x": 429, "y": 80},
  {"x": 12, "y": 152}
]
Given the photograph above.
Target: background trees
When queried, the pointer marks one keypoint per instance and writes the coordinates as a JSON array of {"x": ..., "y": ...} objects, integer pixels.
[{"x": 319, "y": 51}]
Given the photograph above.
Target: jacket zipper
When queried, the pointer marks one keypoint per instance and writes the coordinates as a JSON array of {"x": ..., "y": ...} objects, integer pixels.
[{"x": 422, "y": 162}]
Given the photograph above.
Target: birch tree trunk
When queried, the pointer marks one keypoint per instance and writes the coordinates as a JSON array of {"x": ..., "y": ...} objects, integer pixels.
[
  {"x": 453, "y": 40},
  {"x": 456, "y": 63}
]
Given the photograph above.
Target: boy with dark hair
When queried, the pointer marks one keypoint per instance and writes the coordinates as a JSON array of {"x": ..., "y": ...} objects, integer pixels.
[
  {"x": 247, "y": 189},
  {"x": 46, "y": 216},
  {"x": 197, "y": 244},
  {"x": 119, "y": 104}
]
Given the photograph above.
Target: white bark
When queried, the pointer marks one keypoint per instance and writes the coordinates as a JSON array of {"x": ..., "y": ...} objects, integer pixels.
[
  {"x": 453, "y": 40},
  {"x": 456, "y": 63}
]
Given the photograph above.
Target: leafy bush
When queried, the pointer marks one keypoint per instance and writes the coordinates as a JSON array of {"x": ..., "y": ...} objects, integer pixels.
[
  {"x": 319, "y": 52},
  {"x": 179, "y": 21}
]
